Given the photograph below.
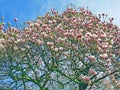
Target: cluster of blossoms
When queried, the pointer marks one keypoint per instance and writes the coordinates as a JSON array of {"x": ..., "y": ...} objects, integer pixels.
[{"x": 74, "y": 47}]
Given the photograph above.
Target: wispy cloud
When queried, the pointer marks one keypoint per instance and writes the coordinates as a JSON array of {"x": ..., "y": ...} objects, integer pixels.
[{"x": 109, "y": 7}]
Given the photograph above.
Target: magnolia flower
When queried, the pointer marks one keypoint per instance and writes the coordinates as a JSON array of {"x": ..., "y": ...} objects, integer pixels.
[
  {"x": 15, "y": 19},
  {"x": 92, "y": 58},
  {"x": 39, "y": 21},
  {"x": 92, "y": 72},
  {"x": 100, "y": 49},
  {"x": 67, "y": 53},
  {"x": 40, "y": 42},
  {"x": 44, "y": 34},
  {"x": 35, "y": 34},
  {"x": 88, "y": 34},
  {"x": 105, "y": 45},
  {"x": 98, "y": 40},
  {"x": 66, "y": 34},
  {"x": 71, "y": 34},
  {"x": 108, "y": 61},
  {"x": 60, "y": 39},
  {"x": 61, "y": 48},
  {"x": 15, "y": 48},
  {"x": 56, "y": 50},
  {"x": 103, "y": 35},
  {"x": 37, "y": 25},
  {"x": 44, "y": 26},
  {"x": 103, "y": 56},
  {"x": 79, "y": 35},
  {"x": 86, "y": 79},
  {"x": 31, "y": 25},
  {"x": 33, "y": 38},
  {"x": 50, "y": 43},
  {"x": 94, "y": 36},
  {"x": 89, "y": 26},
  {"x": 52, "y": 48}
]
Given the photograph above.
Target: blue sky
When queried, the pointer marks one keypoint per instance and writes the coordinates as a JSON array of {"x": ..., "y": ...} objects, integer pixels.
[{"x": 29, "y": 9}]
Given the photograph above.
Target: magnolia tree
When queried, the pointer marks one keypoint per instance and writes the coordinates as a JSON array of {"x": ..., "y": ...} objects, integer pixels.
[{"x": 75, "y": 50}]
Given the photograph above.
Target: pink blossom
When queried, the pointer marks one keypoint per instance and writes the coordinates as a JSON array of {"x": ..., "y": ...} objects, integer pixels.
[
  {"x": 89, "y": 26},
  {"x": 108, "y": 61},
  {"x": 15, "y": 19},
  {"x": 92, "y": 58},
  {"x": 67, "y": 53},
  {"x": 103, "y": 35},
  {"x": 15, "y": 48},
  {"x": 88, "y": 34},
  {"x": 86, "y": 78},
  {"x": 79, "y": 35},
  {"x": 103, "y": 56},
  {"x": 92, "y": 72},
  {"x": 105, "y": 46},
  {"x": 50, "y": 43},
  {"x": 60, "y": 48},
  {"x": 40, "y": 42},
  {"x": 60, "y": 39},
  {"x": 94, "y": 36},
  {"x": 98, "y": 40},
  {"x": 44, "y": 26},
  {"x": 37, "y": 25},
  {"x": 66, "y": 34}
]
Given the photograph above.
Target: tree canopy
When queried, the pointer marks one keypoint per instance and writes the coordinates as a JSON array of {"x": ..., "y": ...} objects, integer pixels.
[{"x": 75, "y": 50}]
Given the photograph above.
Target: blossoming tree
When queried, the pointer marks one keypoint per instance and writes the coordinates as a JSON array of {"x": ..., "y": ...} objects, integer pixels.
[{"x": 75, "y": 50}]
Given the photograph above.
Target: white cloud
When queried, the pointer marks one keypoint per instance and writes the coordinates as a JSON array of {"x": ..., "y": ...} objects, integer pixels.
[{"x": 109, "y": 7}]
